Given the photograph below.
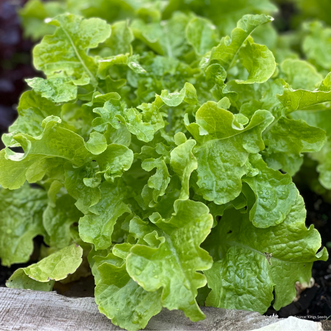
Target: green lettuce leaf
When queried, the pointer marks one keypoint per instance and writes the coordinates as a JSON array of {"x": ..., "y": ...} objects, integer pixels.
[
  {"x": 119, "y": 297},
  {"x": 163, "y": 38},
  {"x": 66, "y": 51},
  {"x": 33, "y": 15},
  {"x": 20, "y": 221},
  {"x": 75, "y": 182},
  {"x": 55, "y": 142},
  {"x": 320, "y": 119},
  {"x": 143, "y": 121},
  {"x": 32, "y": 110},
  {"x": 201, "y": 34},
  {"x": 120, "y": 40},
  {"x": 20, "y": 280},
  {"x": 301, "y": 74},
  {"x": 160, "y": 180},
  {"x": 56, "y": 266},
  {"x": 183, "y": 162},
  {"x": 57, "y": 220},
  {"x": 249, "y": 98},
  {"x": 225, "y": 14},
  {"x": 253, "y": 262},
  {"x": 97, "y": 143},
  {"x": 324, "y": 167},
  {"x": 316, "y": 44},
  {"x": 303, "y": 99},
  {"x": 257, "y": 59},
  {"x": 157, "y": 135},
  {"x": 223, "y": 150},
  {"x": 97, "y": 225},
  {"x": 287, "y": 139},
  {"x": 174, "y": 99},
  {"x": 57, "y": 89},
  {"x": 178, "y": 244},
  {"x": 114, "y": 161},
  {"x": 274, "y": 194}
]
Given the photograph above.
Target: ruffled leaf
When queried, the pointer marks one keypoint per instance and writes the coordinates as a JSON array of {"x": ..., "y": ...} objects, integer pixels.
[
  {"x": 114, "y": 161},
  {"x": 178, "y": 244},
  {"x": 97, "y": 225},
  {"x": 66, "y": 51},
  {"x": 252, "y": 262},
  {"x": 225, "y": 150},
  {"x": 20, "y": 221},
  {"x": 55, "y": 142},
  {"x": 57, "y": 89},
  {"x": 183, "y": 162},
  {"x": 274, "y": 194},
  {"x": 54, "y": 267},
  {"x": 201, "y": 34},
  {"x": 257, "y": 59},
  {"x": 57, "y": 220},
  {"x": 287, "y": 139},
  {"x": 120, "y": 298}
]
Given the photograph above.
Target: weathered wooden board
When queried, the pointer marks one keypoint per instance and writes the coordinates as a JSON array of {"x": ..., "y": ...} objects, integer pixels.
[
  {"x": 23, "y": 310},
  {"x": 31, "y": 310}
]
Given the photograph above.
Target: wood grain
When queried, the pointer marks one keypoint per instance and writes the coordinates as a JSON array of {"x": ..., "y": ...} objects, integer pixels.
[
  {"x": 32, "y": 310},
  {"x": 23, "y": 310}
]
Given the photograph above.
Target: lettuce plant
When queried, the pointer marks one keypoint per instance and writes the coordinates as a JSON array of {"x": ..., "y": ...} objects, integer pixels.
[{"x": 161, "y": 151}]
